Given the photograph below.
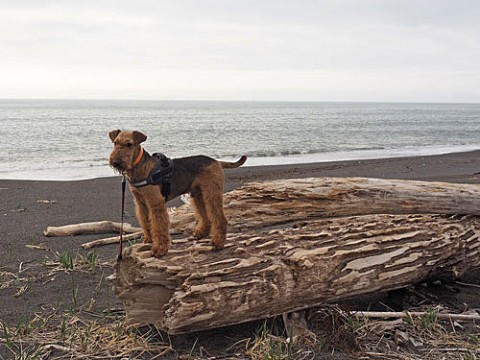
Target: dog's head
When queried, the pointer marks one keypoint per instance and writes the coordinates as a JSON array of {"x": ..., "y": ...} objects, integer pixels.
[{"x": 126, "y": 149}]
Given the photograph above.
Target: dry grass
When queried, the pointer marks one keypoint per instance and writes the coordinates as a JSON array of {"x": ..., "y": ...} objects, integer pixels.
[
  {"x": 338, "y": 335},
  {"x": 423, "y": 337},
  {"x": 80, "y": 335},
  {"x": 79, "y": 332},
  {"x": 75, "y": 332}
]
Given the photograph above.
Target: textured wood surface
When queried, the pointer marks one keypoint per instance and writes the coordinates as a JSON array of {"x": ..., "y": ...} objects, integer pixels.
[
  {"x": 302, "y": 243},
  {"x": 258, "y": 205}
]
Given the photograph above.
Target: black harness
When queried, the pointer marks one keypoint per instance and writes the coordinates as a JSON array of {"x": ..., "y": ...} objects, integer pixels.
[{"x": 160, "y": 174}]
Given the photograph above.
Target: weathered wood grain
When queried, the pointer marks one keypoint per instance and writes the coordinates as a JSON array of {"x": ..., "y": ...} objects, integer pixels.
[
  {"x": 259, "y": 205},
  {"x": 283, "y": 270},
  {"x": 303, "y": 243}
]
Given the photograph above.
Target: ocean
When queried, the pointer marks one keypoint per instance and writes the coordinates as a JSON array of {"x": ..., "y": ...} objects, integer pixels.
[{"x": 68, "y": 139}]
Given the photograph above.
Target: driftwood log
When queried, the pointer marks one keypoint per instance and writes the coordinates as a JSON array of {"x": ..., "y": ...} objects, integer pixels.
[
  {"x": 299, "y": 243},
  {"x": 259, "y": 205}
]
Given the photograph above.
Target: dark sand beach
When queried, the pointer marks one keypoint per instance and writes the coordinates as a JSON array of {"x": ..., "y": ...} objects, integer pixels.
[{"x": 31, "y": 283}]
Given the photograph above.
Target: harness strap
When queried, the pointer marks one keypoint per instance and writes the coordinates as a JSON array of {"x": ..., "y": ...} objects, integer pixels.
[{"x": 160, "y": 175}]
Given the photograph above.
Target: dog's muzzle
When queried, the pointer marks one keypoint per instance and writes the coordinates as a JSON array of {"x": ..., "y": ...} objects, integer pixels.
[{"x": 116, "y": 164}]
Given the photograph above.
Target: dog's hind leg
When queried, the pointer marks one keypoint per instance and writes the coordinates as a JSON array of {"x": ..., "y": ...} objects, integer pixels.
[
  {"x": 214, "y": 207},
  {"x": 204, "y": 225}
]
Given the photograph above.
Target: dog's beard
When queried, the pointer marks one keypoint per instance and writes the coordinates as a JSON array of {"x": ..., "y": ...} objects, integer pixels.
[{"x": 118, "y": 170}]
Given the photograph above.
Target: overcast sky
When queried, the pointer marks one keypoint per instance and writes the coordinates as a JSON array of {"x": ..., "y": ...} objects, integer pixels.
[{"x": 302, "y": 50}]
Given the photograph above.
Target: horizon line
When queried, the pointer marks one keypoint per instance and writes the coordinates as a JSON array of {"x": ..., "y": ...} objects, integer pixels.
[{"x": 243, "y": 101}]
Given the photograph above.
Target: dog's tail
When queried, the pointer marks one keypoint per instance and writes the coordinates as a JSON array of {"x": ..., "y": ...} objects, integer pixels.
[{"x": 232, "y": 165}]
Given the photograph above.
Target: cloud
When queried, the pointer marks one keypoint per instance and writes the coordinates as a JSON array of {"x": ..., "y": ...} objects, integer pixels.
[{"x": 312, "y": 50}]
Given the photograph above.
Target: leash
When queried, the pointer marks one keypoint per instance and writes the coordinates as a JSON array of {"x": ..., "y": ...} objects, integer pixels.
[{"x": 120, "y": 245}]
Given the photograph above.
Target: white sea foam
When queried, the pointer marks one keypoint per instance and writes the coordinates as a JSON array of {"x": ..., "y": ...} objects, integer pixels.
[{"x": 79, "y": 173}]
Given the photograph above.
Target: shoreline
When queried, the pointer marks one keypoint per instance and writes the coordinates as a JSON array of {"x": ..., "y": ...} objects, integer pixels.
[
  {"x": 327, "y": 165},
  {"x": 317, "y": 159}
]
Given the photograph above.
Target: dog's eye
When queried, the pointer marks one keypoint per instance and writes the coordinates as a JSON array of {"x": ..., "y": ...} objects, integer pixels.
[{"x": 129, "y": 145}]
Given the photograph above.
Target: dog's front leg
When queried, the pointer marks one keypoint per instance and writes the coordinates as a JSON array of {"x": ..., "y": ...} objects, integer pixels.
[
  {"x": 143, "y": 216},
  {"x": 159, "y": 222}
]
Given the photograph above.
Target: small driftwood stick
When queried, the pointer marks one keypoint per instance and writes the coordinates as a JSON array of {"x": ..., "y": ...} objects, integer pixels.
[
  {"x": 99, "y": 227},
  {"x": 407, "y": 314},
  {"x": 112, "y": 240}
]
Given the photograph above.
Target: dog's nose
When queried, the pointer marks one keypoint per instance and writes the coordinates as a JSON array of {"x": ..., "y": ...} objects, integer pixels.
[{"x": 116, "y": 163}]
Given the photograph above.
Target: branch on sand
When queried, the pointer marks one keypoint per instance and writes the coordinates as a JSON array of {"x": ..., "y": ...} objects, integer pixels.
[
  {"x": 98, "y": 227},
  {"x": 112, "y": 240}
]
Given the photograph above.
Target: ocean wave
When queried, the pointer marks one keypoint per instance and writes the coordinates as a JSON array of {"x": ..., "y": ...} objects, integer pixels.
[
  {"x": 268, "y": 133},
  {"x": 294, "y": 152},
  {"x": 78, "y": 171}
]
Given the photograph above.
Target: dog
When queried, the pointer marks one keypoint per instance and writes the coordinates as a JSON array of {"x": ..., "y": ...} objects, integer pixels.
[{"x": 154, "y": 179}]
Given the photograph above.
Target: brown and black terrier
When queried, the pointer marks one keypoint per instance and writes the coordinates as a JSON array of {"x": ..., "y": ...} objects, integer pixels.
[{"x": 155, "y": 179}]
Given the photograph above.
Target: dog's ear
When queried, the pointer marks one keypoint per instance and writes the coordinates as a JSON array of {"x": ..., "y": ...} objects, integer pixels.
[
  {"x": 113, "y": 134},
  {"x": 139, "y": 137}
]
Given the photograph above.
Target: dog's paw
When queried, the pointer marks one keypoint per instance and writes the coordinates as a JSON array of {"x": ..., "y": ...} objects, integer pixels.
[
  {"x": 159, "y": 250},
  {"x": 144, "y": 251},
  {"x": 201, "y": 233},
  {"x": 218, "y": 243}
]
